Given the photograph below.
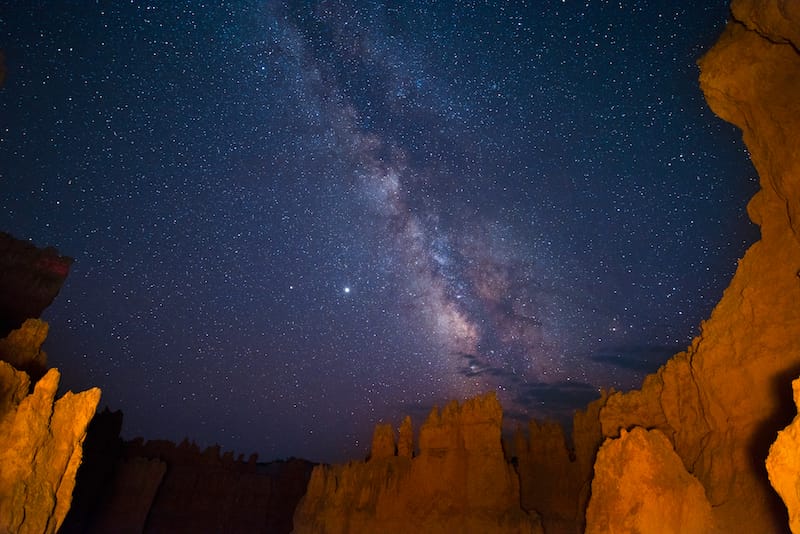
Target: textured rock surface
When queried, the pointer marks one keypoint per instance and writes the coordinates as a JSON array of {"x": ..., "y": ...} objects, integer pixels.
[
  {"x": 459, "y": 482},
  {"x": 30, "y": 278},
  {"x": 721, "y": 401},
  {"x": 640, "y": 485},
  {"x": 40, "y": 450},
  {"x": 783, "y": 465}
]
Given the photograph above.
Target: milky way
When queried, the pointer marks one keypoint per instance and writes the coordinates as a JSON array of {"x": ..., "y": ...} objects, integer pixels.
[{"x": 292, "y": 220}]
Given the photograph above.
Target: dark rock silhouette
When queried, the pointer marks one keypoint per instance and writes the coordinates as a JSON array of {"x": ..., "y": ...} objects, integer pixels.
[
  {"x": 157, "y": 486},
  {"x": 30, "y": 278}
]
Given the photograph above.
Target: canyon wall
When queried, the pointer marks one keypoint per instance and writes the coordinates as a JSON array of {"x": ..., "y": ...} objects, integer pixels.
[{"x": 721, "y": 402}]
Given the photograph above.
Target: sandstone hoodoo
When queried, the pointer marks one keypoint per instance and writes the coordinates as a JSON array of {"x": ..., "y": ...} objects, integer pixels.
[{"x": 459, "y": 481}]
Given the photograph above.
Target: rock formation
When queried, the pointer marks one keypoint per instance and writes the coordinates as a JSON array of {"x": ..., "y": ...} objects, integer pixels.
[
  {"x": 40, "y": 449},
  {"x": 720, "y": 402},
  {"x": 640, "y": 485},
  {"x": 158, "y": 486},
  {"x": 459, "y": 482},
  {"x": 783, "y": 465},
  {"x": 554, "y": 477},
  {"x": 30, "y": 278}
]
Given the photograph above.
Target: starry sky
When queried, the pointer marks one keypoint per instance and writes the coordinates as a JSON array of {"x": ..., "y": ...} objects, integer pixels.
[{"x": 291, "y": 220}]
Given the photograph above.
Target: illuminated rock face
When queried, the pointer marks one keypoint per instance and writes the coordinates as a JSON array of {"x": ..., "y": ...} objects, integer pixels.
[
  {"x": 721, "y": 402},
  {"x": 783, "y": 465},
  {"x": 40, "y": 449},
  {"x": 459, "y": 482},
  {"x": 640, "y": 485}
]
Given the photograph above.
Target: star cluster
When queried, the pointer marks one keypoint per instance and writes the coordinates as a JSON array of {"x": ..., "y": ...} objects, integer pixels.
[{"x": 291, "y": 220}]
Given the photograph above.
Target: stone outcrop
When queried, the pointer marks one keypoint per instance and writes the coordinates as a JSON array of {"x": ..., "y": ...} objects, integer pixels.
[
  {"x": 783, "y": 465},
  {"x": 30, "y": 278},
  {"x": 720, "y": 402},
  {"x": 641, "y": 485},
  {"x": 40, "y": 449},
  {"x": 459, "y": 482}
]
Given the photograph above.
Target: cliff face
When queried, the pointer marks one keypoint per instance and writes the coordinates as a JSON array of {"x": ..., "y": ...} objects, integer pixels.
[
  {"x": 721, "y": 402},
  {"x": 459, "y": 482}
]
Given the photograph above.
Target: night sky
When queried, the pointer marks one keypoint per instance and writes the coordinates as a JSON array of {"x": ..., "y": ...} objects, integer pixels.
[{"x": 292, "y": 220}]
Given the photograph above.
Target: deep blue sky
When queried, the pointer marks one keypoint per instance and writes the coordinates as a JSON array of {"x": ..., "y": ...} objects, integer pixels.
[{"x": 292, "y": 220}]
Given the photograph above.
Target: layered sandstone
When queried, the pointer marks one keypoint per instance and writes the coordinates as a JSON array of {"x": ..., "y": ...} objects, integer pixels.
[
  {"x": 459, "y": 482},
  {"x": 720, "y": 402}
]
